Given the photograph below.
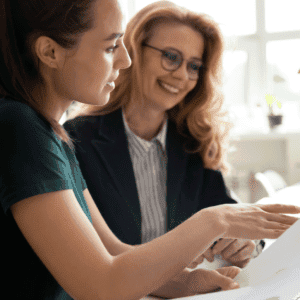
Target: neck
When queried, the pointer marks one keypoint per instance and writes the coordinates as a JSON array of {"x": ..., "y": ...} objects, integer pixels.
[
  {"x": 144, "y": 122},
  {"x": 51, "y": 104}
]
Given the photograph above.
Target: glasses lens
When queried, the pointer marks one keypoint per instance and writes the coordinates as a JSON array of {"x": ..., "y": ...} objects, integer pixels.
[
  {"x": 171, "y": 59},
  {"x": 194, "y": 68}
]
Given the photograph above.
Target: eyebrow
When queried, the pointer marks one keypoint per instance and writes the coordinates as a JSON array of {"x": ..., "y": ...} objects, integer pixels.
[
  {"x": 114, "y": 36},
  {"x": 194, "y": 57}
]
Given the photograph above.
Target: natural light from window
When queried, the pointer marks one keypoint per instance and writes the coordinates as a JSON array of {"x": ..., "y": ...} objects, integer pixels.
[
  {"x": 282, "y": 15},
  {"x": 237, "y": 12},
  {"x": 262, "y": 52}
]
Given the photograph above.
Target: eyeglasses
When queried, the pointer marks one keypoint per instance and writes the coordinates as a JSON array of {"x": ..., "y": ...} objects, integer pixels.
[{"x": 171, "y": 60}]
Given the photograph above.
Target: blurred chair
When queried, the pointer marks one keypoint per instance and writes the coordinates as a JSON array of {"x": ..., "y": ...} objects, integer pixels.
[{"x": 271, "y": 181}]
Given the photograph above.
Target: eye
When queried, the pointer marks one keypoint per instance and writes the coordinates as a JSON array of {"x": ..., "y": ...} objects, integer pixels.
[
  {"x": 112, "y": 49},
  {"x": 171, "y": 56},
  {"x": 195, "y": 66}
]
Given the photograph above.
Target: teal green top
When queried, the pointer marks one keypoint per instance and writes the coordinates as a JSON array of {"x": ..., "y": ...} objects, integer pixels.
[{"x": 33, "y": 161}]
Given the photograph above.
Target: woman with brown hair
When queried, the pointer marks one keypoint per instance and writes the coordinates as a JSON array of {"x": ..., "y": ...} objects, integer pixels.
[
  {"x": 152, "y": 155},
  {"x": 54, "y": 242}
]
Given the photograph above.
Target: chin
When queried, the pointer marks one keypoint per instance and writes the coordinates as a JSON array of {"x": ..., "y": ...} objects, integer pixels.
[
  {"x": 102, "y": 99},
  {"x": 170, "y": 104},
  {"x": 105, "y": 99}
]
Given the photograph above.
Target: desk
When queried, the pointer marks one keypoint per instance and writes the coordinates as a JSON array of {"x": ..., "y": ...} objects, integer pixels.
[{"x": 288, "y": 195}]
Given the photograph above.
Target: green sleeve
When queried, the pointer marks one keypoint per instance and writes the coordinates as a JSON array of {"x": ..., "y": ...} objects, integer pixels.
[{"x": 33, "y": 160}]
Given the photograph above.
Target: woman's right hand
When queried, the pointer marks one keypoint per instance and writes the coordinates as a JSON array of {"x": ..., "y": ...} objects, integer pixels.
[{"x": 252, "y": 221}]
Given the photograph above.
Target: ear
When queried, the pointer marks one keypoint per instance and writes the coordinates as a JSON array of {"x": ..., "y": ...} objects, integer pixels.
[{"x": 49, "y": 52}]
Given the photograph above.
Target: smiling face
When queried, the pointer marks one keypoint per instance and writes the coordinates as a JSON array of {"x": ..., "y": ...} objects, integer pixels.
[
  {"x": 89, "y": 71},
  {"x": 162, "y": 89}
]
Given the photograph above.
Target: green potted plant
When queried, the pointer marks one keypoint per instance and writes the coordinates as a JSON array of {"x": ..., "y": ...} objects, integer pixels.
[{"x": 274, "y": 119}]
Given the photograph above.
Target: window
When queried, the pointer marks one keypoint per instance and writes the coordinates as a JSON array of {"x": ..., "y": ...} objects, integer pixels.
[
  {"x": 237, "y": 12},
  {"x": 262, "y": 53},
  {"x": 283, "y": 60},
  {"x": 282, "y": 15},
  {"x": 235, "y": 64}
]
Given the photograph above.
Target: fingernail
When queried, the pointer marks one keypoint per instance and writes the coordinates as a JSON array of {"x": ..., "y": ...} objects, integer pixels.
[{"x": 234, "y": 285}]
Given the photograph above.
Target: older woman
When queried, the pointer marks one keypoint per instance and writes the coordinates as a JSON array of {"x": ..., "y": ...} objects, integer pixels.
[{"x": 153, "y": 156}]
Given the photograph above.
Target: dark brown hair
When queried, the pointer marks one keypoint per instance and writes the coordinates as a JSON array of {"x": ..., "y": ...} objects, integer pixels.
[{"x": 21, "y": 23}]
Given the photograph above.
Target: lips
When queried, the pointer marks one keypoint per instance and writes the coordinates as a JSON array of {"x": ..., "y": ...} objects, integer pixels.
[
  {"x": 114, "y": 78},
  {"x": 111, "y": 84},
  {"x": 168, "y": 87}
]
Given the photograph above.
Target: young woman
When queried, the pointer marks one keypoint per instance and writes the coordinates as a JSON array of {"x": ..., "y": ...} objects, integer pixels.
[
  {"x": 169, "y": 100},
  {"x": 54, "y": 241}
]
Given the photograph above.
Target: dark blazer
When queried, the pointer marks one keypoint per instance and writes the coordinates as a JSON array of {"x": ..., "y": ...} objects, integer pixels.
[{"x": 103, "y": 154}]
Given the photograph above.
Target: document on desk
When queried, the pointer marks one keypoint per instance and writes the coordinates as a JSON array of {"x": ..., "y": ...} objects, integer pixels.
[
  {"x": 281, "y": 255},
  {"x": 284, "y": 286},
  {"x": 277, "y": 267}
]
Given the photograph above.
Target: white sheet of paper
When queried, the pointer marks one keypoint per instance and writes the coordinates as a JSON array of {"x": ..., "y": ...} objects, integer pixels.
[
  {"x": 224, "y": 295},
  {"x": 282, "y": 254},
  {"x": 283, "y": 286},
  {"x": 274, "y": 274}
]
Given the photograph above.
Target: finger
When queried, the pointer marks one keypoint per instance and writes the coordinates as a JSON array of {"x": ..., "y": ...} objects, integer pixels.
[
  {"x": 230, "y": 271},
  {"x": 263, "y": 231},
  {"x": 209, "y": 255},
  {"x": 281, "y": 218},
  {"x": 276, "y": 225},
  {"x": 241, "y": 264},
  {"x": 244, "y": 253},
  {"x": 196, "y": 262},
  {"x": 270, "y": 233},
  {"x": 239, "y": 251},
  {"x": 192, "y": 265},
  {"x": 221, "y": 245},
  {"x": 233, "y": 248},
  {"x": 225, "y": 283},
  {"x": 279, "y": 208}
]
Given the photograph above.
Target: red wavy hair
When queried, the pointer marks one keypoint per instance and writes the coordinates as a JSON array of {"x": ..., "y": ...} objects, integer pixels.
[{"x": 198, "y": 116}]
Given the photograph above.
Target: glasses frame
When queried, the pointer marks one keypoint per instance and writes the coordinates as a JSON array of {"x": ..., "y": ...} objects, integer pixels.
[{"x": 163, "y": 51}]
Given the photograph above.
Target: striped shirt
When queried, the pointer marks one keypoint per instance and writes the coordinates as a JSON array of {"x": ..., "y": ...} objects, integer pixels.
[
  {"x": 152, "y": 189},
  {"x": 149, "y": 166}
]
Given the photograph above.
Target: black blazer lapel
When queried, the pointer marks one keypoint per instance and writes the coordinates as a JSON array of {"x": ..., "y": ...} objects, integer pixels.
[
  {"x": 112, "y": 147},
  {"x": 176, "y": 170}
]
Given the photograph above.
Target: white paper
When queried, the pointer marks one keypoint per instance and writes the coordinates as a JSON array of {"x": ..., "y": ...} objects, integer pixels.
[
  {"x": 284, "y": 286},
  {"x": 274, "y": 274},
  {"x": 281, "y": 255}
]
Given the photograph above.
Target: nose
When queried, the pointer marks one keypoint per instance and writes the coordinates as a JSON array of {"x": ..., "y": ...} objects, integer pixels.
[
  {"x": 181, "y": 72},
  {"x": 123, "y": 61}
]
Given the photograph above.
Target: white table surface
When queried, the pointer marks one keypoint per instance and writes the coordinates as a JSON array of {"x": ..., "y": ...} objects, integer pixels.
[{"x": 288, "y": 195}]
